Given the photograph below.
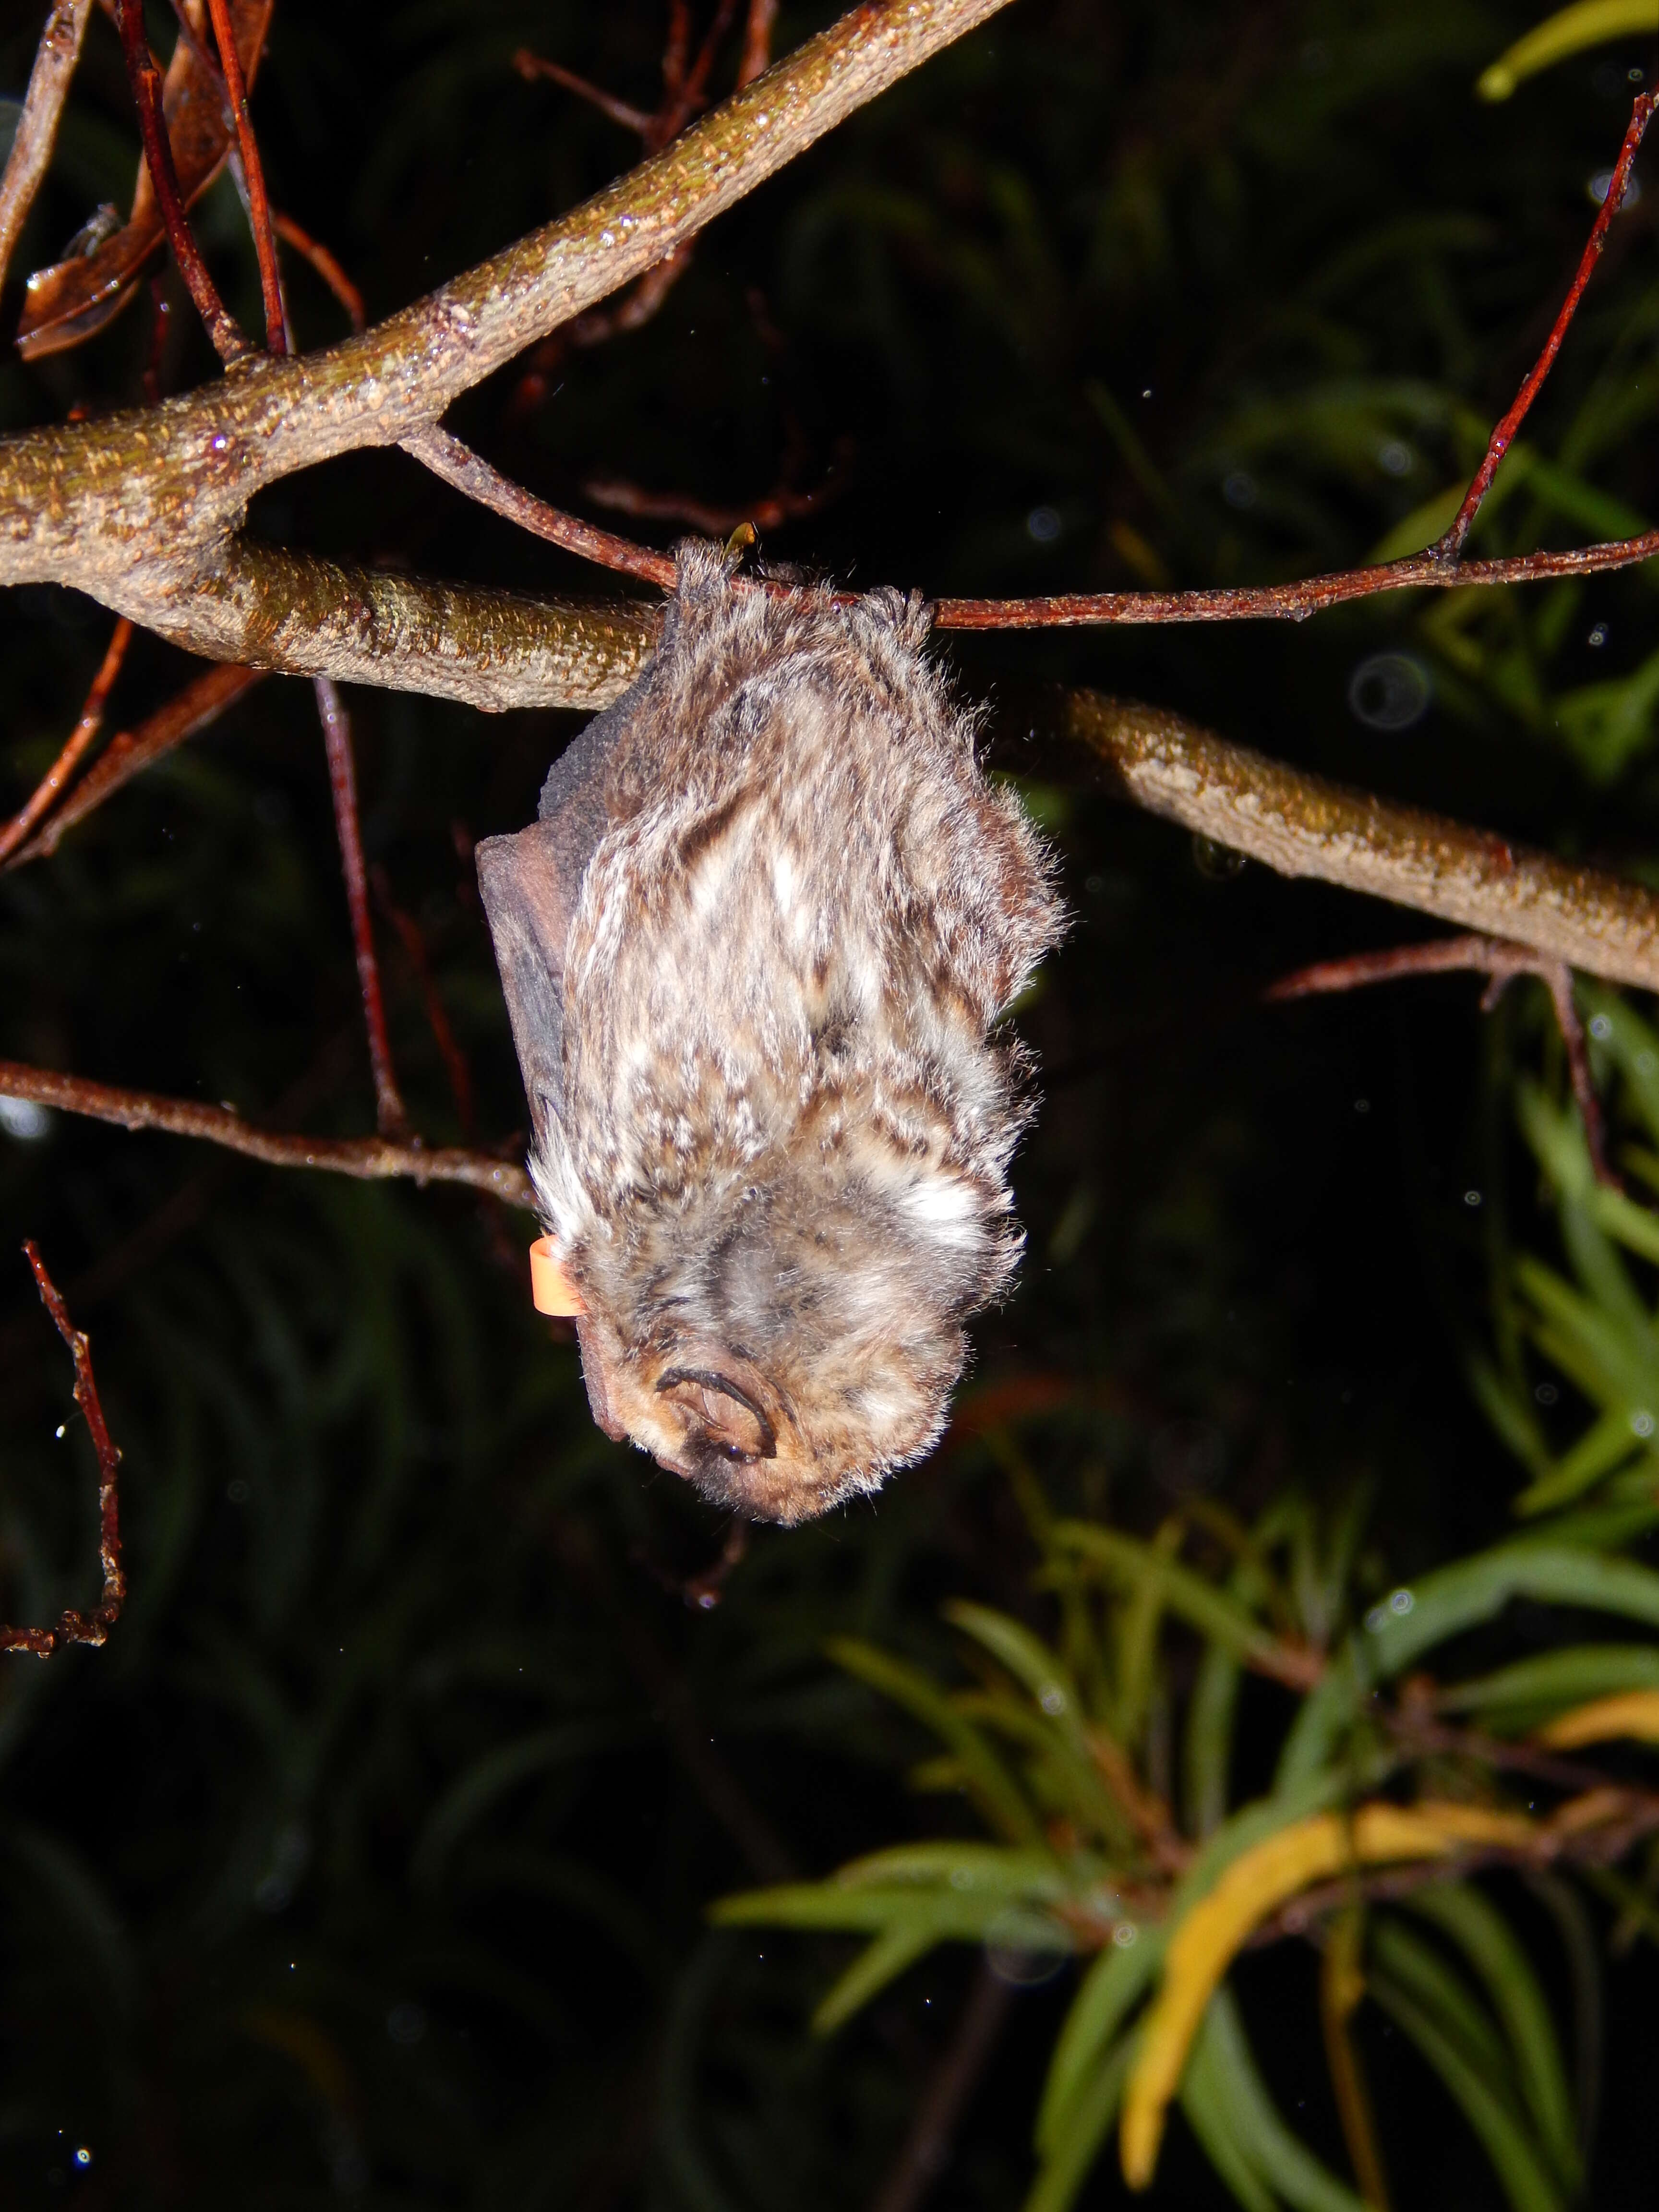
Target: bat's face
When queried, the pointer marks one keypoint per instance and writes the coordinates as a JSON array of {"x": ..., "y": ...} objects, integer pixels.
[
  {"x": 790, "y": 1353},
  {"x": 752, "y": 948}
]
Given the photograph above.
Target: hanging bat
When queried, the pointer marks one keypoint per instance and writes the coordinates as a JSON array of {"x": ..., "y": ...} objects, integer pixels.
[{"x": 752, "y": 947}]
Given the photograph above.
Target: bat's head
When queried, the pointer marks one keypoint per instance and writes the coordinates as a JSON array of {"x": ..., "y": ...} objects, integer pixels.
[{"x": 786, "y": 1341}]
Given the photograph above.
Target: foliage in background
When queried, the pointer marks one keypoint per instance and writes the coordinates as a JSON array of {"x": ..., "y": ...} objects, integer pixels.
[{"x": 372, "y": 1858}]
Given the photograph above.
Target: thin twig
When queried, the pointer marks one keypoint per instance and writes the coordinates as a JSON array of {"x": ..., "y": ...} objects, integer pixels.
[
  {"x": 1425, "y": 571},
  {"x": 33, "y": 811},
  {"x": 324, "y": 265},
  {"x": 414, "y": 944},
  {"x": 1341, "y": 1987},
  {"x": 531, "y": 66},
  {"x": 37, "y": 126},
  {"x": 924, "y": 2155},
  {"x": 74, "y": 1628},
  {"x": 442, "y": 452},
  {"x": 1482, "y": 956},
  {"x": 679, "y": 111},
  {"x": 1442, "y": 956},
  {"x": 253, "y": 176},
  {"x": 770, "y": 512},
  {"x": 195, "y": 709},
  {"x": 229, "y": 341},
  {"x": 1451, "y": 545},
  {"x": 369, "y": 1159},
  {"x": 390, "y": 1115},
  {"x": 757, "y": 41}
]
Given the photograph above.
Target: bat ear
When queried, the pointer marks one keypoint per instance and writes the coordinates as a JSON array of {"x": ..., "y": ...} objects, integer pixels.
[
  {"x": 530, "y": 896},
  {"x": 551, "y": 1290}
]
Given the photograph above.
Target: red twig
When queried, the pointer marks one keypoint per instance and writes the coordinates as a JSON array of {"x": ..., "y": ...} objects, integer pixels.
[
  {"x": 444, "y": 455},
  {"x": 145, "y": 79},
  {"x": 414, "y": 944},
  {"x": 264, "y": 241},
  {"x": 757, "y": 41},
  {"x": 1451, "y": 545},
  {"x": 678, "y": 112},
  {"x": 1482, "y": 956},
  {"x": 1290, "y": 602},
  {"x": 369, "y": 1159},
  {"x": 771, "y": 513},
  {"x": 326, "y": 266},
  {"x": 531, "y": 66},
  {"x": 200, "y": 703},
  {"x": 389, "y": 1115},
  {"x": 45, "y": 796},
  {"x": 74, "y": 1628}
]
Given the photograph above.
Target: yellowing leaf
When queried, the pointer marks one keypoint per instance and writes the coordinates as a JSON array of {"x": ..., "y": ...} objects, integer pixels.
[
  {"x": 1633, "y": 1713},
  {"x": 1255, "y": 1885},
  {"x": 1590, "y": 23}
]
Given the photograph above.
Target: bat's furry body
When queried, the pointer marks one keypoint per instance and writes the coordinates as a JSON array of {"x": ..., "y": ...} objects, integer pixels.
[{"x": 753, "y": 948}]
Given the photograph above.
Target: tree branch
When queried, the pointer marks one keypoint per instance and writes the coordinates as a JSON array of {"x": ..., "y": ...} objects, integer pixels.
[
  {"x": 88, "y": 504},
  {"x": 1302, "y": 826},
  {"x": 370, "y": 1160}
]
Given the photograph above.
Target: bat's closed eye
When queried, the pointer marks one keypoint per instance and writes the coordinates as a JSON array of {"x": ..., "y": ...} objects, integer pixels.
[{"x": 723, "y": 1410}]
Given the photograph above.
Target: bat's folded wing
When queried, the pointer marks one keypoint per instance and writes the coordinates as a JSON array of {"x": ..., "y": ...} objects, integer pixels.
[{"x": 530, "y": 895}]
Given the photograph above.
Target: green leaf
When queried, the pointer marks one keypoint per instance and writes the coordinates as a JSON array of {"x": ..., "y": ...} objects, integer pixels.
[
  {"x": 1276, "y": 2152},
  {"x": 1529, "y": 1691},
  {"x": 1204, "y": 2100},
  {"x": 1570, "y": 31},
  {"x": 998, "y": 1796},
  {"x": 1083, "y": 1789},
  {"x": 1074, "y": 2143},
  {"x": 1604, "y": 1448},
  {"x": 1442, "y": 1605},
  {"x": 1491, "y": 1945},
  {"x": 1210, "y": 1611},
  {"x": 1517, "y": 2158},
  {"x": 488, "y": 1779},
  {"x": 964, "y": 1868},
  {"x": 1110, "y": 1992},
  {"x": 882, "y": 1962}
]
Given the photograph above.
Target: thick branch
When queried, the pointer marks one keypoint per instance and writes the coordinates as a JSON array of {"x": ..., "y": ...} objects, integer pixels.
[
  {"x": 89, "y": 504},
  {"x": 267, "y": 608},
  {"x": 1301, "y": 825},
  {"x": 370, "y": 1160}
]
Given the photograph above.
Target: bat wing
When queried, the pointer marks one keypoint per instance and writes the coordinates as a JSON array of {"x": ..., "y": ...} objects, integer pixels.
[{"x": 530, "y": 883}]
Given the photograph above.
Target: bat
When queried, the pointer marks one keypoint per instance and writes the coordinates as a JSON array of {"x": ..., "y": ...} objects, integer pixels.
[{"x": 753, "y": 949}]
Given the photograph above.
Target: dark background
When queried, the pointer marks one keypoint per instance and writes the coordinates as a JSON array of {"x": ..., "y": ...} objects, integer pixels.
[{"x": 370, "y": 1858}]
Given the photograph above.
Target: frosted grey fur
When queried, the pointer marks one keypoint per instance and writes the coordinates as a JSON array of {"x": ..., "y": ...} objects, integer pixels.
[{"x": 784, "y": 1129}]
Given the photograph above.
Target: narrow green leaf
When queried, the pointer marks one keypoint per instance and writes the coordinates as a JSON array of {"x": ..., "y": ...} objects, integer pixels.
[
  {"x": 1204, "y": 2100},
  {"x": 1206, "y": 1609},
  {"x": 1490, "y": 1944},
  {"x": 998, "y": 1794},
  {"x": 1075, "y": 2143},
  {"x": 1442, "y": 1605},
  {"x": 1207, "y": 1748},
  {"x": 882, "y": 1962},
  {"x": 1520, "y": 2165},
  {"x": 1601, "y": 1449},
  {"x": 1529, "y": 1689},
  {"x": 1278, "y": 2154},
  {"x": 1108, "y": 1992},
  {"x": 1082, "y": 1790},
  {"x": 962, "y": 1867},
  {"x": 1569, "y": 30}
]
